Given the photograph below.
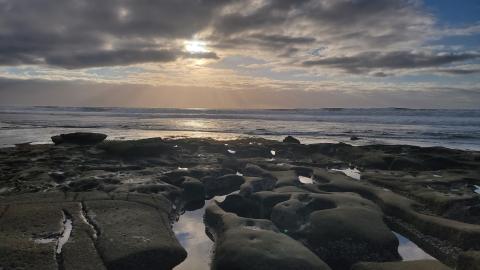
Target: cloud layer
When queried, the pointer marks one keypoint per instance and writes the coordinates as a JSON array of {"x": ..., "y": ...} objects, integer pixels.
[
  {"x": 302, "y": 45},
  {"x": 86, "y": 33}
]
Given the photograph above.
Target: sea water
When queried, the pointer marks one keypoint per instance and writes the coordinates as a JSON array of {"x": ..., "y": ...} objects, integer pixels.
[{"x": 449, "y": 128}]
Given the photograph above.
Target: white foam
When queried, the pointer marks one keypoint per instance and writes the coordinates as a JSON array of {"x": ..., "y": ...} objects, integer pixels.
[{"x": 352, "y": 173}]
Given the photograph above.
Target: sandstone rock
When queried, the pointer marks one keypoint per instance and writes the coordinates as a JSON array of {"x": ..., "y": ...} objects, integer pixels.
[
  {"x": 411, "y": 265},
  {"x": 193, "y": 189},
  {"x": 341, "y": 228},
  {"x": 223, "y": 184},
  {"x": 469, "y": 260},
  {"x": 139, "y": 148},
  {"x": 252, "y": 244},
  {"x": 134, "y": 236}
]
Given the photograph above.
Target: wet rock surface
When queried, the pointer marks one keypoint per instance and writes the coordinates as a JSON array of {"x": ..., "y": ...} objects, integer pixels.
[
  {"x": 424, "y": 265},
  {"x": 79, "y": 138},
  {"x": 86, "y": 203}
]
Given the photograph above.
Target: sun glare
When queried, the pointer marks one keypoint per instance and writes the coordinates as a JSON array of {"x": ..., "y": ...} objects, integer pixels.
[{"x": 195, "y": 46}]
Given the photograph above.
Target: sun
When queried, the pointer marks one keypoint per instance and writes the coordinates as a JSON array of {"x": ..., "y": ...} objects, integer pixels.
[{"x": 195, "y": 46}]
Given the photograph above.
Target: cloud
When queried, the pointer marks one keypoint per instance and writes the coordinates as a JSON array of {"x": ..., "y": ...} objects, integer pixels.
[
  {"x": 89, "y": 33},
  {"x": 366, "y": 37},
  {"x": 341, "y": 24},
  {"x": 365, "y": 62},
  {"x": 81, "y": 93},
  {"x": 458, "y": 71},
  {"x": 108, "y": 58}
]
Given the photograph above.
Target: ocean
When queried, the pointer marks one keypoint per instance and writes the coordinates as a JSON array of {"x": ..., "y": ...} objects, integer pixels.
[{"x": 458, "y": 129}]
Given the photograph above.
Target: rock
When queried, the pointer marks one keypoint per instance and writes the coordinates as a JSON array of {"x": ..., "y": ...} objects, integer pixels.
[
  {"x": 469, "y": 260},
  {"x": 290, "y": 139},
  {"x": 286, "y": 178},
  {"x": 255, "y": 170},
  {"x": 340, "y": 228},
  {"x": 255, "y": 244},
  {"x": 83, "y": 185},
  {"x": 138, "y": 148},
  {"x": 255, "y": 184},
  {"x": 427, "y": 194},
  {"x": 411, "y": 265},
  {"x": 20, "y": 227},
  {"x": 354, "y": 138},
  {"x": 223, "y": 184},
  {"x": 193, "y": 189},
  {"x": 105, "y": 233},
  {"x": 134, "y": 236},
  {"x": 342, "y": 237},
  {"x": 241, "y": 206},
  {"x": 79, "y": 138},
  {"x": 59, "y": 177}
]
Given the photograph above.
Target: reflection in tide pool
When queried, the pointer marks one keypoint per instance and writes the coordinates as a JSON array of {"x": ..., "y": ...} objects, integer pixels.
[
  {"x": 409, "y": 251},
  {"x": 190, "y": 232}
]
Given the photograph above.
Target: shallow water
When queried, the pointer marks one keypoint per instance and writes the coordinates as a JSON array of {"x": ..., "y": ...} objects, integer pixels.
[
  {"x": 450, "y": 128},
  {"x": 190, "y": 232},
  {"x": 409, "y": 251}
]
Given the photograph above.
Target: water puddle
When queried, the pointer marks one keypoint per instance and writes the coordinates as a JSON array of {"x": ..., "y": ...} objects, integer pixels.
[
  {"x": 190, "y": 232},
  {"x": 352, "y": 173},
  {"x": 305, "y": 180},
  {"x": 409, "y": 251},
  {"x": 68, "y": 226},
  {"x": 62, "y": 238}
]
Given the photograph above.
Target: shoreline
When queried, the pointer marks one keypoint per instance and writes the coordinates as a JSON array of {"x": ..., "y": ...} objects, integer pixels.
[{"x": 427, "y": 194}]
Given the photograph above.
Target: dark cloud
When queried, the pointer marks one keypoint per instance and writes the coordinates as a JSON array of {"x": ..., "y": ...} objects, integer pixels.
[
  {"x": 91, "y": 33},
  {"x": 364, "y": 62},
  {"x": 107, "y": 58},
  {"x": 87, "y": 33},
  {"x": 454, "y": 71},
  {"x": 282, "y": 39}
]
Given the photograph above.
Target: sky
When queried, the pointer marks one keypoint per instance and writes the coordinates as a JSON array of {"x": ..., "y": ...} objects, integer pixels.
[{"x": 240, "y": 53}]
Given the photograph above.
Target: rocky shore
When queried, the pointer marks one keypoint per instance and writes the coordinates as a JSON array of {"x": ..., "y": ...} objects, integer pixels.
[{"x": 89, "y": 203}]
